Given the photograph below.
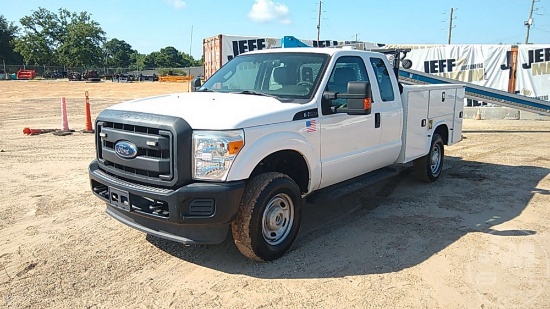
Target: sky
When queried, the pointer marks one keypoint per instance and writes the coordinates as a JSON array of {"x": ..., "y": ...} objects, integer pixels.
[{"x": 149, "y": 25}]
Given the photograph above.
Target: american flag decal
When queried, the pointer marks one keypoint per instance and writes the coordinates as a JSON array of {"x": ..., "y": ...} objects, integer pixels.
[{"x": 311, "y": 126}]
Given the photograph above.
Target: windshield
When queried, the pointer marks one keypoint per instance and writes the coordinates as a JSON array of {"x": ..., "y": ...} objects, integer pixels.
[{"x": 291, "y": 76}]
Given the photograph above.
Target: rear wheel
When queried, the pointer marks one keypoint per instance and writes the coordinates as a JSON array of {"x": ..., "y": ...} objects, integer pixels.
[
  {"x": 269, "y": 217},
  {"x": 428, "y": 168}
]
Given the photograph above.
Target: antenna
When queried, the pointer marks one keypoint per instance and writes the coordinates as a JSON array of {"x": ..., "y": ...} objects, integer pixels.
[
  {"x": 191, "y": 57},
  {"x": 451, "y": 24},
  {"x": 319, "y": 22}
]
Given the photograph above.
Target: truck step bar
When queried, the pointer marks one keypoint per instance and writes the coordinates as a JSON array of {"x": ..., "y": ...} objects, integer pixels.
[
  {"x": 339, "y": 190},
  {"x": 480, "y": 93}
]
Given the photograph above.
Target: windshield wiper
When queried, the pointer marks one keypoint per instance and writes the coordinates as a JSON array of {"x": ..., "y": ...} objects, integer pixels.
[
  {"x": 205, "y": 90},
  {"x": 257, "y": 93}
]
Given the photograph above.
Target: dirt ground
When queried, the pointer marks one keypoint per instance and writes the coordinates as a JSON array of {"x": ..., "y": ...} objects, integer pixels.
[{"x": 478, "y": 238}]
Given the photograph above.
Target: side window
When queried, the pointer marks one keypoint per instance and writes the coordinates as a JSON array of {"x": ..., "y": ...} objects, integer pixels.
[
  {"x": 383, "y": 78},
  {"x": 347, "y": 69}
]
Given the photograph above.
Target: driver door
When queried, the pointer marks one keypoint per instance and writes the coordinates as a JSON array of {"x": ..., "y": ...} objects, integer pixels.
[{"x": 348, "y": 142}]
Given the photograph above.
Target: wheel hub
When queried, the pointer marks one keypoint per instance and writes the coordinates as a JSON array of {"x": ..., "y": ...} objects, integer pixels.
[
  {"x": 277, "y": 219},
  {"x": 435, "y": 160}
]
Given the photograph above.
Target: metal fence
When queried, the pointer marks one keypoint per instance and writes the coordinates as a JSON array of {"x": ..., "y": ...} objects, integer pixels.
[{"x": 63, "y": 71}]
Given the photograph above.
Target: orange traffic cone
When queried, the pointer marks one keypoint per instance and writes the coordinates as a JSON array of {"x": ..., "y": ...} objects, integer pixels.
[
  {"x": 89, "y": 128},
  {"x": 478, "y": 115},
  {"x": 30, "y": 131}
]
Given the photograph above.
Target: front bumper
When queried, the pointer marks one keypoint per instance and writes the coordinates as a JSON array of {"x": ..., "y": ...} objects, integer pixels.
[{"x": 197, "y": 213}]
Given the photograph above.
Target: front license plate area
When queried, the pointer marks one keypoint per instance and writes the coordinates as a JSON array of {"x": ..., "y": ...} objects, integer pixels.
[{"x": 119, "y": 199}]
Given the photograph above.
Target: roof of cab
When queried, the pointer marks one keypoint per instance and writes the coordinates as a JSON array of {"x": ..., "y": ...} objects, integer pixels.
[{"x": 316, "y": 50}]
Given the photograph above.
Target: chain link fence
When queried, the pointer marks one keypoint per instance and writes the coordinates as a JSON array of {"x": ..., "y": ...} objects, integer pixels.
[{"x": 59, "y": 72}]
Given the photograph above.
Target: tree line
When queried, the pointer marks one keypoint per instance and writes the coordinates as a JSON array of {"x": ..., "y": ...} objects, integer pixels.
[{"x": 75, "y": 40}]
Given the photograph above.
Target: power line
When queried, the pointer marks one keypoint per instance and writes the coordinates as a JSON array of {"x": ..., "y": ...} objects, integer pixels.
[{"x": 540, "y": 29}]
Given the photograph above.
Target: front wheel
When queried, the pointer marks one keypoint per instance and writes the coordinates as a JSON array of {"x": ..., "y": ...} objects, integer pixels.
[
  {"x": 269, "y": 217},
  {"x": 428, "y": 168}
]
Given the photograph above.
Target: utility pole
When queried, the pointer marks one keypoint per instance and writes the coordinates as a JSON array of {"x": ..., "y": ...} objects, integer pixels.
[
  {"x": 451, "y": 25},
  {"x": 529, "y": 21},
  {"x": 319, "y": 22},
  {"x": 190, "y": 57}
]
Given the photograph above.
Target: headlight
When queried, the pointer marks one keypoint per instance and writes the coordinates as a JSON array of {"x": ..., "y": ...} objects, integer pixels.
[{"x": 214, "y": 152}]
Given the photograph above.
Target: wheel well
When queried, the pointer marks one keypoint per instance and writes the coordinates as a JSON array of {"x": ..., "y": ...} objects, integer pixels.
[
  {"x": 288, "y": 162},
  {"x": 443, "y": 130}
]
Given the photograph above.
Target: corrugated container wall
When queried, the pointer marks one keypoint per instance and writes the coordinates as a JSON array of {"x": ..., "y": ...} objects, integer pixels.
[{"x": 212, "y": 51}]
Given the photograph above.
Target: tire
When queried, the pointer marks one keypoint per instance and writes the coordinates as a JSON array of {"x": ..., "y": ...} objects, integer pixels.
[
  {"x": 269, "y": 217},
  {"x": 428, "y": 168}
]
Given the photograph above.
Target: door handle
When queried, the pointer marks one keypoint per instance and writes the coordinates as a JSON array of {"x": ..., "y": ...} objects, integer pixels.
[{"x": 377, "y": 120}]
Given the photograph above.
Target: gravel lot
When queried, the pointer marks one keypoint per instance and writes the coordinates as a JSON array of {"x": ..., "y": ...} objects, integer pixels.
[{"x": 478, "y": 238}]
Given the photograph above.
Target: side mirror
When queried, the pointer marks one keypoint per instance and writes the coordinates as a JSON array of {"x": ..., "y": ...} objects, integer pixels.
[
  {"x": 195, "y": 84},
  {"x": 359, "y": 98},
  {"x": 360, "y": 105}
]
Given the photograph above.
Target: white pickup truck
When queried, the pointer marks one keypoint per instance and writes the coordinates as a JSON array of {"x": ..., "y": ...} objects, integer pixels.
[{"x": 267, "y": 130}]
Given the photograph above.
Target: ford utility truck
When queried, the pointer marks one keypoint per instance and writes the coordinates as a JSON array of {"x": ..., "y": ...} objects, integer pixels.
[{"x": 269, "y": 129}]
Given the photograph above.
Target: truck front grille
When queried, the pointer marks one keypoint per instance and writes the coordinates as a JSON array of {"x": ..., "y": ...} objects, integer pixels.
[{"x": 152, "y": 157}]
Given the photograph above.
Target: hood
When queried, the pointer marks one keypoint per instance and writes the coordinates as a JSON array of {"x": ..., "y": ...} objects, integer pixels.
[{"x": 214, "y": 110}]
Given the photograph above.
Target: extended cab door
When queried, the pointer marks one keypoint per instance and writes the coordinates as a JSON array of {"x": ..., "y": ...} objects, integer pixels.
[
  {"x": 348, "y": 142},
  {"x": 387, "y": 107}
]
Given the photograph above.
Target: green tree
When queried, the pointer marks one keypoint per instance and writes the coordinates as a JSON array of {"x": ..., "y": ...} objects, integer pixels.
[
  {"x": 69, "y": 38},
  {"x": 170, "y": 58},
  {"x": 80, "y": 43},
  {"x": 137, "y": 61},
  {"x": 40, "y": 39},
  {"x": 119, "y": 54},
  {"x": 187, "y": 60},
  {"x": 8, "y": 32},
  {"x": 152, "y": 60}
]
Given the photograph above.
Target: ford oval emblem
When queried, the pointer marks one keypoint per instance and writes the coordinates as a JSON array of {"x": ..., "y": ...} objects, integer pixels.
[{"x": 125, "y": 149}]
